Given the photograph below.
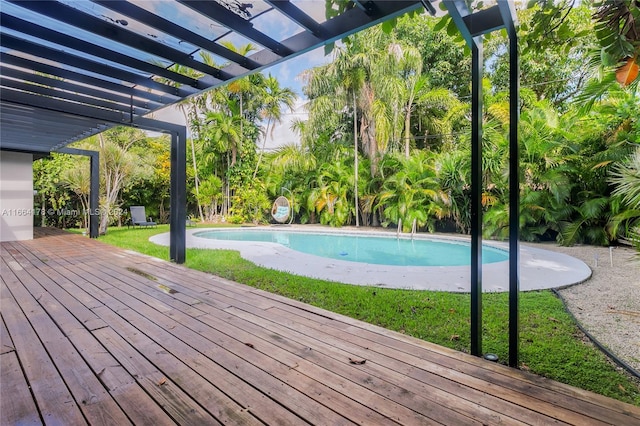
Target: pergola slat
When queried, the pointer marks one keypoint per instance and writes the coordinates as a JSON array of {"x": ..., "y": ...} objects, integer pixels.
[
  {"x": 130, "y": 10},
  {"x": 91, "y": 49},
  {"x": 220, "y": 14},
  {"x": 43, "y": 80},
  {"x": 41, "y": 51},
  {"x": 119, "y": 34},
  {"x": 68, "y": 75}
]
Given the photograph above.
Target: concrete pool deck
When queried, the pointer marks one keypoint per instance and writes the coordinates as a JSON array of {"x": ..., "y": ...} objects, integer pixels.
[{"x": 539, "y": 269}]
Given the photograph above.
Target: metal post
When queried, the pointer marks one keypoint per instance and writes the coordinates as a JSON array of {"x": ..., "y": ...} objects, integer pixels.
[
  {"x": 94, "y": 214},
  {"x": 476, "y": 196},
  {"x": 178, "y": 203},
  {"x": 514, "y": 196}
]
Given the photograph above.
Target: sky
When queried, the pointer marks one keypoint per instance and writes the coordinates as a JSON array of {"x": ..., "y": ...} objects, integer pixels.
[{"x": 287, "y": 72}]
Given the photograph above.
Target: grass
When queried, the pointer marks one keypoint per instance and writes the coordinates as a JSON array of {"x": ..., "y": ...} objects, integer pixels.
[{"x": 551, "y": 343}]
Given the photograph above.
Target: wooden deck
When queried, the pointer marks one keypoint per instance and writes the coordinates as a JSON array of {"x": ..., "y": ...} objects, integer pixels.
[{"x": 92, "y": 334}]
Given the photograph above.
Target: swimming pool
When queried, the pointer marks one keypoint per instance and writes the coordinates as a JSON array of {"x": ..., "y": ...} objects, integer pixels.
[{"x": 377, "y": 250}]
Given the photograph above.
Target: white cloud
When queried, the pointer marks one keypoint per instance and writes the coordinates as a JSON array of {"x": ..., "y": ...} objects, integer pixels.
[
  {"x": 282, "y": 133},
  {"x": 170, "y": 114},
  {"x": 276, "y": 25}
]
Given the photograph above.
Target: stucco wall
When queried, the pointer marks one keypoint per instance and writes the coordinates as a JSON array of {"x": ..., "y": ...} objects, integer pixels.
[{"x": 16, "y": 196}]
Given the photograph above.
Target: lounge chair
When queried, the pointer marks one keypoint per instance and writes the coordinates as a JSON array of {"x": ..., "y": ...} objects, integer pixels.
[
  {"x": 139, "y": 217},
  {"x": 281, "y": 209}
]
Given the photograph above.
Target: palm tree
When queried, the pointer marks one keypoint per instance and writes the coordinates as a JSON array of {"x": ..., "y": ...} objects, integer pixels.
[
  {"x": 274, "y": 97},
  {"x": 223, "y": 131},
  {"x": 333, "y": 88},
  {"x": 454, "y": 174},
  {"x": 244, "y": 85},
  {"x": 360, "y": 81},
  {"x": 413, "y": 193},
  {"x": 191, "y": 108},
  {"x": 439, "y": 114},
  {"x": 407, "y": 62},
  {"x": 78, "y": 180},
  {"x": 350, "y": 76},
  {"x": 626, "y": 179},
  {"x": 330, "y": 199},
  {"x": 292, "y": 158}
]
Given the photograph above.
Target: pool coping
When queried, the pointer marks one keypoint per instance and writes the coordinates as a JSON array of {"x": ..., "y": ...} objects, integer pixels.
[{"x": 539, "y": 269}]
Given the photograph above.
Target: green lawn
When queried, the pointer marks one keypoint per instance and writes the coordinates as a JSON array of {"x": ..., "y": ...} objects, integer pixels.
[{"x": 551, "y": 344}]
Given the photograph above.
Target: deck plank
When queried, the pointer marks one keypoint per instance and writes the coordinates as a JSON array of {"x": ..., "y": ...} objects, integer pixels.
[
  {"x": 181, "y": 407},
  {"x": 96, "y": 404},
  {"x": 480, "y": 385},
  {"x": 165, "y": 329},
  {"x": 379, "y": 400},
  {"x": 162, "y": 344},
  {"x": 53, "y": 399},
  {"x": 137, "y": 404},
  {"x": 471, "y": 377},
  {"x": 512, "y": 379},
  {"x": 359, "y": 381},
  {"x": 362, "y": 415},
  {"x": 6, "y": 344},
  {"x": 166, "y": 392},
  {"x": 406, "y": 371},
  {"x": 230, "y": 337},
  {"x": 42, "y": 279},
  {"x": 253, "y": 401},
  {"x": 337, "y": 401},
  {"x": 16, "y": 403}
]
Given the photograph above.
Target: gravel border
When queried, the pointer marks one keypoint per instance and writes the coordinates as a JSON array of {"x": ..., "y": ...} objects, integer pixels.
[{"x": 608, "y": 304}]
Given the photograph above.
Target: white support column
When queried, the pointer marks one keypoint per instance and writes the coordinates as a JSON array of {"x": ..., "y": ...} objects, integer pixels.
[{"x": 16, "y": 196}]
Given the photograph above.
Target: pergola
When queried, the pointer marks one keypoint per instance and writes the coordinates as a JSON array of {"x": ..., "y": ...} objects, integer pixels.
[{"x": 72, "y": 69}]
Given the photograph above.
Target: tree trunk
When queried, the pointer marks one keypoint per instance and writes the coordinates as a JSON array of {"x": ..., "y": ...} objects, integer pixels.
[
  {"x": 407, "y": 119},
  {"x": 234, "y": 150},
  {"x": 355, "y": 160},
  {"x": 234, "y": 156},
  {"x": 43, "y": 212},
  {"x": 104, "y": 221},
  {"x": 264, "y": 144},
  {"x": 369, "y": 139},
  {"x": 407, "y": 133},
  {"x": 195, "y": 166}
]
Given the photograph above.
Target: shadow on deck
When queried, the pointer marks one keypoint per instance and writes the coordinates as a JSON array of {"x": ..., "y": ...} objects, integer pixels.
[{"x": 92, "y": 334}]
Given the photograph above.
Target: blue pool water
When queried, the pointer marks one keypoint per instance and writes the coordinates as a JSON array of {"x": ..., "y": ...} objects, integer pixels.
[{"x": 367, "y": 249}]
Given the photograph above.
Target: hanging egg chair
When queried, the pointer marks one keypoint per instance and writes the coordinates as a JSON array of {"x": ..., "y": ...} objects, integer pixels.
[{"x": 281, "y": 209}]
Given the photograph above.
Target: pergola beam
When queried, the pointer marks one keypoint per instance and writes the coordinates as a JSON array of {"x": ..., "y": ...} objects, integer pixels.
[
  {"x": 45, "y": 81},
  {"x": 97, "y": 51},
  {"x": 41, "y": 51},
  {"x": 134, "y": 12},
  {"x": 64, "y": 107},
  {"x": 294, "y": 13},
  {"x": 119, "y": 34},
  {"x": 484, "y": 21},
  {"x": 68, "y": 75},
  {"x": 70, "y": 96},
  {"x": 224, "y": 16}
]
